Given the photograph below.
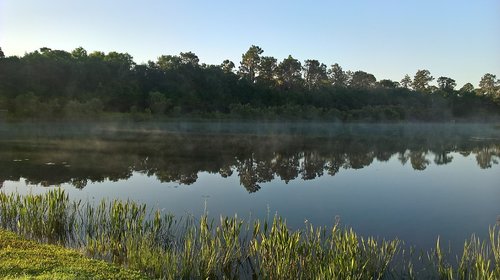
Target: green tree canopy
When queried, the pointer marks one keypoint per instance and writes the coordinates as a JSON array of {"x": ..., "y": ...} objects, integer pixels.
[
  {"x": 385, "y": 83},
  {"x": 267, "y": 70},
  {"x": 289, "y": 73},
  {"x": 406, "y": 82},
  {"x": 361, "y": 79},
  {"x": 315, "y": 74},
  {"x": 446, "y": 84},
  {"x": 337, "y": 76},
  {"x": 79, "y": 53},
  {"x": 97, "y": 55},
  {"x": 421, "y": 80},
  {"x": 488, "y": 84},
  {"x": 169, "y": 62},
  {"x": 249, "y": 63},
  {"x": 189, "y": 58},
  {"x": 227, "y": 66},
  {"x": 123, "y": 59},
  {"x": 467, "y": 88}
]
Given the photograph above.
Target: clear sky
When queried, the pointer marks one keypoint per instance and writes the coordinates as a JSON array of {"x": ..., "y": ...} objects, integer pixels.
[{"x": 454, "y": 38}]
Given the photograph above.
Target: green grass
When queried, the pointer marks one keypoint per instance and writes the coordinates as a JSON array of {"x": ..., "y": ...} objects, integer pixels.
[
  {"x": 25, "y": 259},
  {"x": 162, "y": 247}
]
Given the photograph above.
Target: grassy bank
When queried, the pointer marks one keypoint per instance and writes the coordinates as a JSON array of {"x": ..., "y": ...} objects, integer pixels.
[
  {"x": 26, "y": 259},
  {"x": 126, "y": 233}
]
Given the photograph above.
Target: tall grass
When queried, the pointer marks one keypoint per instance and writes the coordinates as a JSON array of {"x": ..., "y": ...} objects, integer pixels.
[
  {"x": 163, "y": 247},
  {"x": 50, "y": 217}
]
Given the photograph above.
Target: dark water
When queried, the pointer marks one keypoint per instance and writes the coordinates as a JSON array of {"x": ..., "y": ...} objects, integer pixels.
[{"x": 414, "y": 181}]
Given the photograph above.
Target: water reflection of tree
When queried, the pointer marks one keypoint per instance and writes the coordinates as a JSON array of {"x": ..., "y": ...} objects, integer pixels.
[
  {"x": 253, "y": 171},
  {"x": 79, "y": 183},
  {"x": 441, "y": 158},
  {"x": 226, "y": 171},
  {"x": 255, "y": 160},
  {"x": 312, "y": 165},
  {"x": 418, "y": 160},
  {"x": 487, "y": 156},
  {"x": 404, "y": 156},
  {"x": 287, "y": 166},
  {"x": 334, "y": 163},
  {"x": 359, "y": 160}
]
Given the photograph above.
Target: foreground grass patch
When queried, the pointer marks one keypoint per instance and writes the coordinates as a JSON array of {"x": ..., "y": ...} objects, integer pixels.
[{"x": 26, "y": 259}]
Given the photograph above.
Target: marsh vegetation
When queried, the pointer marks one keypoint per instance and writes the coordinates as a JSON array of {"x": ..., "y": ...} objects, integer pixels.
[{"x": 162, "y": 246}]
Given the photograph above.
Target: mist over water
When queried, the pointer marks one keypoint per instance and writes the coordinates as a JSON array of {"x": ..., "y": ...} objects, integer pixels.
[{"x": 411, "y": 181}]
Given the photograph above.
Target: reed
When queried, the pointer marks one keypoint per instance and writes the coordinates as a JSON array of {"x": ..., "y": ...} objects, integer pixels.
[
  {"x": 50, "y": 217},
  {"x": 127, "y": 233}
]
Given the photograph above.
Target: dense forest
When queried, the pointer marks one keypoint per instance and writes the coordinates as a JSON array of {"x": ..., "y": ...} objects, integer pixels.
[{"x": 56, "y": 84}]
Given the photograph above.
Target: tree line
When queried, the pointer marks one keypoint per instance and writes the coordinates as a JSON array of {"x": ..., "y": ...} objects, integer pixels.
[{"x": 55, "y": 84}]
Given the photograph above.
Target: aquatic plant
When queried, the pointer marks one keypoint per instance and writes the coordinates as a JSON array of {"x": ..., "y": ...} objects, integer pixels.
[{"x": 50, "y": 217}]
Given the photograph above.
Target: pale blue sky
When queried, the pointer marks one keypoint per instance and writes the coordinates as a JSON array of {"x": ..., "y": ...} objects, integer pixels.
[{"x": 459, "y": 39}]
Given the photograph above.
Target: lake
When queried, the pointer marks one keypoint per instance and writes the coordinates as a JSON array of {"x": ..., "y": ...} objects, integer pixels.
[{"x": 411, "y": 181}]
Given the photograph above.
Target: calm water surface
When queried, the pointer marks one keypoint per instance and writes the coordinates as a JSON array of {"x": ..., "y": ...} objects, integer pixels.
[{"x": 414, "y": 181}]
